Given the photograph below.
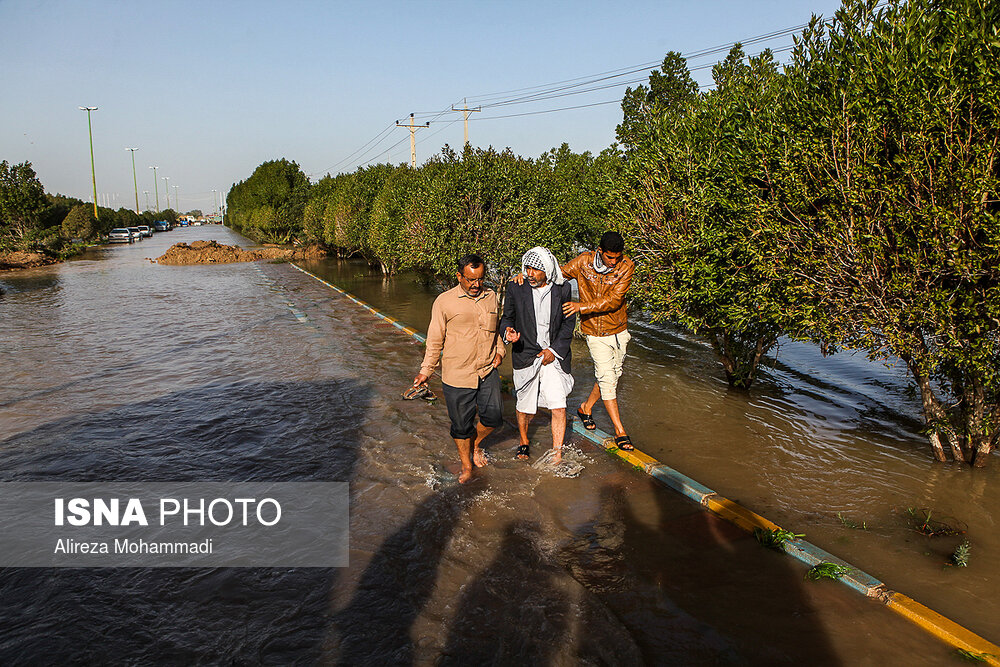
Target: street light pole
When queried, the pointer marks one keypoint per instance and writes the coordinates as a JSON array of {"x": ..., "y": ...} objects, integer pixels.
[
  {"x": 135, "y": 181},
  {"x": 146, "y": 192},
  {"x": 215, "y": 200},
  {"x": 156, "y": 188},
  {"x": 93, "y": 174},
  {"x": 166, "y": 189},
  {"x": 177, "y": 198}
]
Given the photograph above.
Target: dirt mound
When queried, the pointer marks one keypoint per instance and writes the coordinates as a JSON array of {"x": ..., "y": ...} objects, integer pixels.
[
  {"x": 212, "y": 252},
  {"x": 10, "y": 261}
]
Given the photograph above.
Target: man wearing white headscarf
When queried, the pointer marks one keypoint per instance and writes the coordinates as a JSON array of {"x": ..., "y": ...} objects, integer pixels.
[{"x": 534, "y": 322}]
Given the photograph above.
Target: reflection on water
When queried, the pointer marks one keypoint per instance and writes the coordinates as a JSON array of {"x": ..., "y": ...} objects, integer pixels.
[{"x": 120, "y": 369}]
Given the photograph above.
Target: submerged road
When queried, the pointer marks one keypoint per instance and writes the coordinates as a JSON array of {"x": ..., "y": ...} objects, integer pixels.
[{"x": 117, "y": 369}]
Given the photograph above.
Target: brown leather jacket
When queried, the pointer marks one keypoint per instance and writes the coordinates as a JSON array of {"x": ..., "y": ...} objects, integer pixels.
[{"x": 602, "y": 296}]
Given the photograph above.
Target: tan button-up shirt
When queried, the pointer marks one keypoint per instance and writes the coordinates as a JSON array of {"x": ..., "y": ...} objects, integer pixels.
[{"x": 462, "y": 333}]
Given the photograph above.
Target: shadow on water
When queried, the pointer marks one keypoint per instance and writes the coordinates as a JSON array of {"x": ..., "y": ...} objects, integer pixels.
[
  {"x": 692, "y": 589},
  {"x": 512, "y": 612},
  {"x": 375, "y": 626},
  {"x": 266, "y": 431}
]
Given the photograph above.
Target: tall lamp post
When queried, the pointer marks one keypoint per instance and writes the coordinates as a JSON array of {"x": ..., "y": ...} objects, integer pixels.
[
  {"x": 156, "y": 188},
  {"x": 93, "y": 174},
  {"x": 177, "y": 198},
  {"x": 135, "y": 181},
  {"x": 146, "y": 192},
  {"x": 215, "y": 200},
  {"x": 166, "y": 189}
]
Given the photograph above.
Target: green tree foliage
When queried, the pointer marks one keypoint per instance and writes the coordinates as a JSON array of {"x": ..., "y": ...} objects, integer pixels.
[
  {"x": 22, "y": 200},
  {"x": 79, "y": 223},
  {"x": 268, "y": 205},
  {"x": 688, "y": 201},
  {"x": 671, "y": 90},
  {"x": 889, "y": 238}
]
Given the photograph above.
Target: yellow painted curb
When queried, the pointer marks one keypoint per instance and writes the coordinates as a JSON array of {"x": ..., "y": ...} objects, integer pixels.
[
  {"x": 634, "y": 457},
  {"x": 738, "y": 514},
  {"x": 943, "y": 628}
]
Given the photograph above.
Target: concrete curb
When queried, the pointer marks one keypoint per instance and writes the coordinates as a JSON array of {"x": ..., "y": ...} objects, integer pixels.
[{"x": 941, "y": 627}]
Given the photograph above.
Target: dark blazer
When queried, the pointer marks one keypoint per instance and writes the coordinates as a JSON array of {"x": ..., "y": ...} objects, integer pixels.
[{"x": 519, "y": 314}]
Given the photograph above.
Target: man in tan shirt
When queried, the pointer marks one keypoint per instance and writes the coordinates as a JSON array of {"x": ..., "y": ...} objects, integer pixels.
[{"x": 462, "y": 333}]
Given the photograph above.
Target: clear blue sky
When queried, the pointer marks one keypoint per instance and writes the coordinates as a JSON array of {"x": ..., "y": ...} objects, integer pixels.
[{"x": 208, "y": 91}]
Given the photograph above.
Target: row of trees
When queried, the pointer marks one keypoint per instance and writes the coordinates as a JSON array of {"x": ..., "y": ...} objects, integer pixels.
[
  {"x": 31, "y": 219},
  {"x": 849, "y": 198},
  {"x": 422, "y": 219}
]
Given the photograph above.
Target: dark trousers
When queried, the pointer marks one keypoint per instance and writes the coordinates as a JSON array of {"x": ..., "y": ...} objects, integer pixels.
[{"x": 463, "y": 403}]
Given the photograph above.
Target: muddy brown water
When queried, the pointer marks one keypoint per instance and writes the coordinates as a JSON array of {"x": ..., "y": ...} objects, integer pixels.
[{"x": 119, "y": 369}]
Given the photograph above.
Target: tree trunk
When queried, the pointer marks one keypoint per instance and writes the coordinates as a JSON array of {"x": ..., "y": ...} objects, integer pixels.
[{"x": 934, "y": 414}]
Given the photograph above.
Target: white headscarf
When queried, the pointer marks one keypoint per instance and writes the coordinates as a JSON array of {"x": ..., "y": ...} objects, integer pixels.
[{"x": 542, "y": 259}]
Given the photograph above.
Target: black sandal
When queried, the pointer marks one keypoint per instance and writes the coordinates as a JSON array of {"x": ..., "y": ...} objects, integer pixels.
[
  {"x": 523, "y": 451},
  {"x": 624, "y": 443},
  {"x": 587, "y": 420}
]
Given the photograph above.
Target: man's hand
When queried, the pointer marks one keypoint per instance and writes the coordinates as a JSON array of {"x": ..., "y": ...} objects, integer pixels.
[
  {"x": 571, "y": 308},
  {"x": 511, "y": 336},
  {"x": 547, "y": 356},
  {"x": 519, "y": 278},
  {"x": 420, "y": 379},
  {"x": 497, "y": 360}
]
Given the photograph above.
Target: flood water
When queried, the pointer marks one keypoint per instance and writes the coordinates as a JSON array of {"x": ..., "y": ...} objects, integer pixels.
[{"x": 118, "y": 369}]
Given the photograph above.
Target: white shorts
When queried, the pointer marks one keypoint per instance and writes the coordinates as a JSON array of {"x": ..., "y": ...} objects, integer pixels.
[
  {"x": 540, "y": 386},
  {"x": 608, "y": 353}
]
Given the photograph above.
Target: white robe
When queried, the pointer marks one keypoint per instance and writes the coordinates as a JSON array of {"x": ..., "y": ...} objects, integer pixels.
[{"x": 537, "y": 385}]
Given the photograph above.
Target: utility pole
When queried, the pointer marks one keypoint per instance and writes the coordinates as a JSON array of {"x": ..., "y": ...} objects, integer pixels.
[
  {"x": 465, "y": 112},
  {"x": 146, "y": 192},
  {"x": 177, "y": 198},
  {"x": 413, "y": 139},
  {"x": 135, "y": 181},
  {"x": 215, "y": 200},
  {"x": 166, "y": 189},
  {"x": 93, "y": 174},
  {"x": 156, "y": 187}
]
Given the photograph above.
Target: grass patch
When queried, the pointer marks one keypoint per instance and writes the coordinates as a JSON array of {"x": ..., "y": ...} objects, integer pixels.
[
  {"x": 774, "y": 539},
  {"x": 961, "y": 556},
  {"x": 827, "y": 571},
  {"x": 847, "y": 523}
]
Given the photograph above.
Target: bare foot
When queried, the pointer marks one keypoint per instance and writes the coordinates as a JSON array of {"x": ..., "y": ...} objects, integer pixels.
[
  {"x": 479, "y": 458},
  {"x": 465, "y": 476},
  {"x": 556, "y": 456}
]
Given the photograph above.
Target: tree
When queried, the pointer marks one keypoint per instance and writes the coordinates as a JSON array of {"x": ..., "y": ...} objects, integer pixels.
[
  {"x": 671, "y": 89},
  {"x": 79, "y": 223},
  {"x": 688, "y": 203},
  {"x": 268, "y": 205},
  {"x": 889, "y": 239},
  {"x": 22, "y": 200}
]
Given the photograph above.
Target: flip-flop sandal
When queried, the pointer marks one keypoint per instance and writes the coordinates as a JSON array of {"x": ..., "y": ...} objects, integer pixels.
[
  {"x": 418, "y": 391},
  {"x": 523, "y": 451},
  {"x": 624, "y": 443},
  {"x": 587, "y": 420}
]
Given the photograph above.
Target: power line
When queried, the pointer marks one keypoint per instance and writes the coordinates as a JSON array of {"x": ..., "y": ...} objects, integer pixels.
[{"x": 573, "y": 86}]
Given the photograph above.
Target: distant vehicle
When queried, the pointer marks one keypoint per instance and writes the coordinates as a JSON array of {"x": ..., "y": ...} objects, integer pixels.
[
  {"x": 184, "y": 223},
  {"x": 161, "y": 226},
  {"x": 120, "y": 235},
  {"x": 145, "y": 230},
  {"x": 136, "y": 233}
]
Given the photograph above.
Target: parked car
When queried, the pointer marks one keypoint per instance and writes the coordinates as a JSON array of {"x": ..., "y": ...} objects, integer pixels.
[
  {"x": 136, "y": 233},
  {"x": 120, "y": 235},
  {"x": 145, "y": 230},
  {"x": 161, "y": 226}
]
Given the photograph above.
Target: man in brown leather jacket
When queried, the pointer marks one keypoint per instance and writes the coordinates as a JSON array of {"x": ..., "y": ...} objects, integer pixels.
[{"x": 603, "y": 277}]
